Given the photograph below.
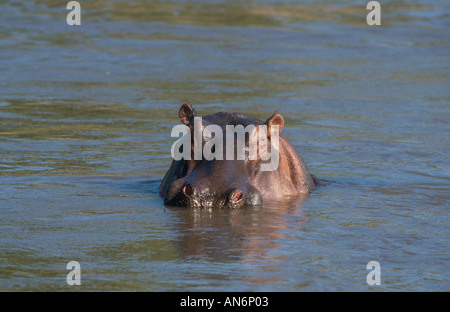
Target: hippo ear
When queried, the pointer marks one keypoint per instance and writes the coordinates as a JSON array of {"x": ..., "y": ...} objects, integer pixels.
[
  {"x": 275, "y": 120},
  {"x": 187, "y": 113}
]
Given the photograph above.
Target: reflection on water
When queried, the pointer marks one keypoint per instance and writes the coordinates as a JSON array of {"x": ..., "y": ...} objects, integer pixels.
[
  {"x": 224, "y": 235},
  {"x": 85, "y": 120},
  {"x": 250, "y": 236}
]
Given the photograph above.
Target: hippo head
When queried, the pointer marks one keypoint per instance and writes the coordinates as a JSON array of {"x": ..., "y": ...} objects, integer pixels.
[{"x": 220, "y": 182}]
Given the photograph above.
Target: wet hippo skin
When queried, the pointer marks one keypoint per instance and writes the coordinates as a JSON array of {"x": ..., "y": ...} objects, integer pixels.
[{"x": 233, "y": 183}]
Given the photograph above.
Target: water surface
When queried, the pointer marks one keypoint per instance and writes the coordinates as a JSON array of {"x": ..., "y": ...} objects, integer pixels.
[{"x": 85, "y": 120}]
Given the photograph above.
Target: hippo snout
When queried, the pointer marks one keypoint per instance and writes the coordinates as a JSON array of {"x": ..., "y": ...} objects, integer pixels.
[{"x": 196, "y": 196}]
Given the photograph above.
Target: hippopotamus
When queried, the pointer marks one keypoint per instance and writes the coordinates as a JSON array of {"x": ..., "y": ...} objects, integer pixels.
[{"x": 235, "y": 183}]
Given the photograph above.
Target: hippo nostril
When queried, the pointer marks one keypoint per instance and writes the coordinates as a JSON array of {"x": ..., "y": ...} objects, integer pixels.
[
  {"x": 236, "y": 196},
  {"x": 187, "y": 190}
]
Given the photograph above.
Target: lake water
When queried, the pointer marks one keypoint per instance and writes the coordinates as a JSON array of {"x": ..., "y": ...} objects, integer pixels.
[{"x": 85, "y": 119}]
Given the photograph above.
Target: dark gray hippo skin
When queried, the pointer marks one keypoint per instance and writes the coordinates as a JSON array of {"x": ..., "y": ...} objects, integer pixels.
[{"x": 234, "y": 183}]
